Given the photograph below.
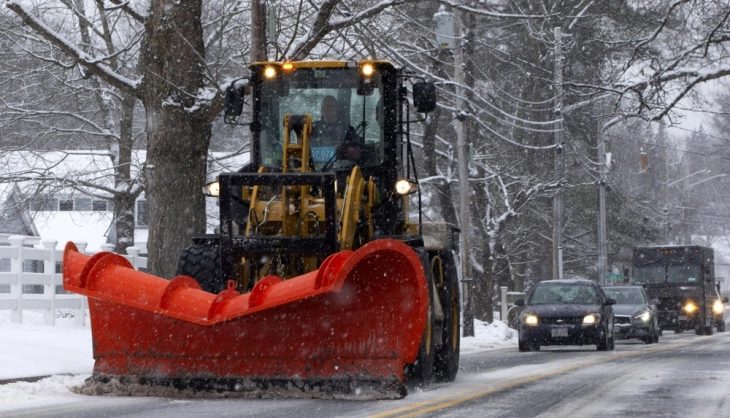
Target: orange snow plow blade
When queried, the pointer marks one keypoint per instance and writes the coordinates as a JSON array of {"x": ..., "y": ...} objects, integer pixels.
[{"x": 353, "y": 324}]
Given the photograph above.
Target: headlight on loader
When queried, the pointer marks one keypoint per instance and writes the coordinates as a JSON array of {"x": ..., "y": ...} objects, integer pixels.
[
  {"x": 406, "y": 187},
  {"x": 690, "y": 307},
  {"x": 212, "y": 189},
  {"x": 717, "y": 307}
]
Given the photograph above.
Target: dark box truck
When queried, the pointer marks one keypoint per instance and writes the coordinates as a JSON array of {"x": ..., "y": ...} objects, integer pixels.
[{"x": 681, "y": 281}]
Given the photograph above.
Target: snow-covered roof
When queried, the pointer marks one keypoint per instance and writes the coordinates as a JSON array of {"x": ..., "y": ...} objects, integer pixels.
[
  {"x": 91, "y": 166},
  {"x": 89, "y": 227}
]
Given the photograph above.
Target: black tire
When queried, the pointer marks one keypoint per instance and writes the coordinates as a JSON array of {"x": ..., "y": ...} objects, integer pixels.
[
  {"x": 709, "y": 330},
  {"x": 605, "y": 344},
  {"x": 612, "y": 343},
  {"x": 699, "y": 329},
  {"x": 202, "y": 263},
  {"x": 420, "y": 373},
  {"x": 525, "y": 347},
  {"x": 655, "y": 335},
  {"x": 446, "y": 363},
  {"x": 721, "y": 324}
]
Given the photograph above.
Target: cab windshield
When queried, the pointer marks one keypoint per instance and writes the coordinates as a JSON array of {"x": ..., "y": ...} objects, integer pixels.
[
  {"x": 338, "y": 114},
  {"x": 651, "y": 274},
  {"x": 673, "y": 273}
]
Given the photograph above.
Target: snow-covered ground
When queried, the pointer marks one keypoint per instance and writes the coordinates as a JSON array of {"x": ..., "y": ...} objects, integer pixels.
[{"x": 64, "y": 353}]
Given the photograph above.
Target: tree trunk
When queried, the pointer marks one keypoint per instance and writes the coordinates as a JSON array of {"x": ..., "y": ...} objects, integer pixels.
[
  {"x": 175, "y": 175},
  {"x": 178, "y": 130},
  {"x": 125, "y": 197}
]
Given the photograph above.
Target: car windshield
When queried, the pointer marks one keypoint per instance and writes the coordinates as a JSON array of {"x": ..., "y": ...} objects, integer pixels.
[
  {"x": 625, "y": 296},
  {"x": 563, "y": 294},
  {"x": 330, "y": 96}
]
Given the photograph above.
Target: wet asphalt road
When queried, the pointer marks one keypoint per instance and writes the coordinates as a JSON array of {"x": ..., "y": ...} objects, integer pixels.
[{"x": 684, "y": 375}]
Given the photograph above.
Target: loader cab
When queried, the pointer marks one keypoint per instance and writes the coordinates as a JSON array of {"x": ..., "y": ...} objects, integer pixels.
[{"x": 365, "y": 100}]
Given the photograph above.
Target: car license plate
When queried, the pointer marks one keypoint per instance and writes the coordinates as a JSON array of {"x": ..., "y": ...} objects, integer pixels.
[
  {"x": 559, "y": 332},
  {"x": 682, "y": 317}
]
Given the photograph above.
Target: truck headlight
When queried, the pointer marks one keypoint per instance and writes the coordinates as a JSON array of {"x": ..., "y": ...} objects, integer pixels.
[
  {"x": 644, "y": 316},
  {"x": 690, "y": 307},
  {"x": 717, "y": 307},
  {"x": 529, "y": 319}
]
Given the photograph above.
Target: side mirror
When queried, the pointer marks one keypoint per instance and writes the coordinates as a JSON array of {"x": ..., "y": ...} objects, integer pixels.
[
  {"x": 233, "y": 100},
  {"x": 424, "y": 97},
  {"x": 655, "y": 302},
  {"x": 520, "y": 302},
  {"x": 610, "y": 301}
]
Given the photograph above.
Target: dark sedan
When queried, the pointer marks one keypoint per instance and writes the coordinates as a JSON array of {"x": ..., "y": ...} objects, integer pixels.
[
  {"x": 566, "y": 312},
  {"x": 634, "y": 315}
]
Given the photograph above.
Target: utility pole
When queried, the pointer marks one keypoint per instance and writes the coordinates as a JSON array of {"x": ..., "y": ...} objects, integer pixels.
[
  {"x": 462, "y": 156},
  {"x": 448, "y": 35},
  {"x": 602, "y": 173},
  {"x": 258, "y": 31},
  {"x": 559, "y": 161},
  {"x": 662, "y": 134}
]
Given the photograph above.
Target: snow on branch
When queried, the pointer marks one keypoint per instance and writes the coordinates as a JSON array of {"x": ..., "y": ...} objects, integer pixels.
[
  {"x": 323, "y": 26},
  {"x": 485, "y": 12},
  {"x": 92, "y": 64},
  {"x": 124, "y": 5}
]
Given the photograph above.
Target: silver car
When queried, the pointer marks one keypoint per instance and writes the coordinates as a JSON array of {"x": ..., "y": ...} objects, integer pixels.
[{"x": 634, "y": 314}]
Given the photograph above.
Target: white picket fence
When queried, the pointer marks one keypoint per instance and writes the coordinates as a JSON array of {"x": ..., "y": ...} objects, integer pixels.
[{"x": 19, "y": 249}]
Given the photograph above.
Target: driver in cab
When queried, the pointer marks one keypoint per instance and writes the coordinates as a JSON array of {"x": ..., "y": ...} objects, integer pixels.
[{"x": 331, "y": 135}]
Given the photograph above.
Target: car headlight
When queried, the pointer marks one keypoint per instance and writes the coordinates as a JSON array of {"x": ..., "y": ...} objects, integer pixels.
[
  {"x": 690, "y": 307},
  {"x": 717, "y": 307},
  {"x": 591, "y": 319},
  {"x": 529, "y": 319},
  {"x": 644, "y": 316}
]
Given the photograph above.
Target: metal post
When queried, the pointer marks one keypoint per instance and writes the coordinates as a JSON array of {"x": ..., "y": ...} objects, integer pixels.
[
  {"x": 559, "y": 161},
  {"x": 503, "y": 302}
]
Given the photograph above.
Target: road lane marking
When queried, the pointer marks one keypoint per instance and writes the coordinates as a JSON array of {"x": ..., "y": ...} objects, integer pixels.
[{"x": 452, "y": 399}]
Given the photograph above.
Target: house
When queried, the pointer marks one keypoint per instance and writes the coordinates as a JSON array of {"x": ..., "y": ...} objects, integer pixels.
[{"x": 36, "y": 197}]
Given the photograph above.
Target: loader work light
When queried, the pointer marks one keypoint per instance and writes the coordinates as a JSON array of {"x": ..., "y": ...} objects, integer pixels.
[
  {"x": 366, "y": 85},
  {"x": 269, "y": 72},
  {"x": 367, "y": 70}
]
